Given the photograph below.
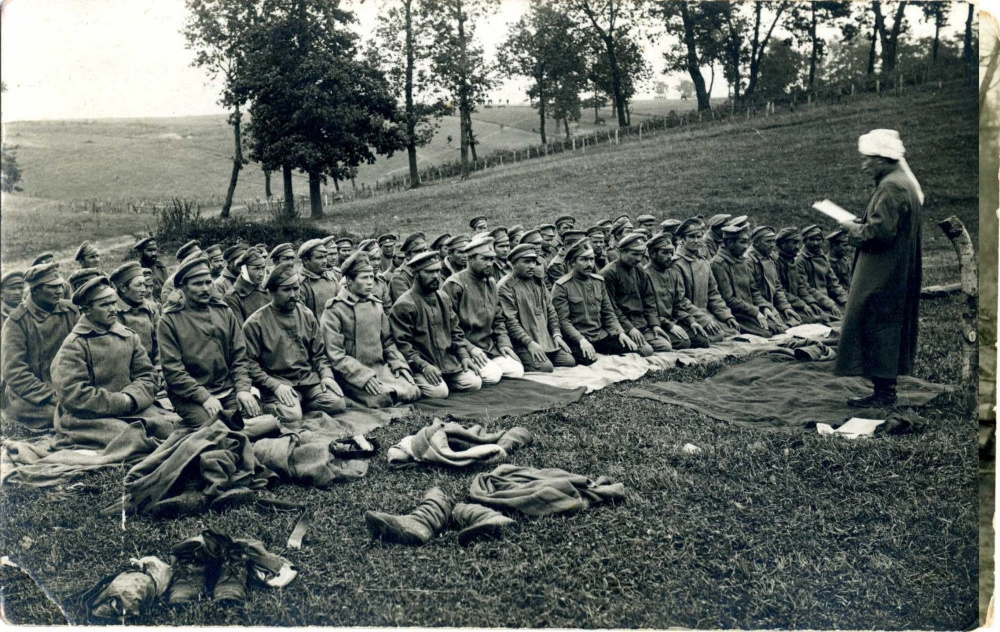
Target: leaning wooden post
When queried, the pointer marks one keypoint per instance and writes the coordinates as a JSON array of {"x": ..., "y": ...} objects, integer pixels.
[{"x": 955, "y": 231}]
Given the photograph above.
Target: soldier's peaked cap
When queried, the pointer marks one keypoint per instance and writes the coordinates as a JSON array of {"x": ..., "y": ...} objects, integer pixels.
[
  {"x": 190, "y": 269},
  {"x": 786, "y": 232},
  {"x": 424, "y": 260},
  {"x": 356, "y": 264},
  {"x": 283, "y": 274},
  {"x": 811, "y": 230},
  {"x": 440, "y": 241},
  {"x": 689, "y": 226},
  {"x": 413, "y": 239},
  {"x": 43, "y": 274},
  {"x": 187, "y": 249},
  {"x": 309, "y": 246},
  {"x": 125, "y": 273},
  {"x": 282, "y": 250},
  {"x": 578, "y": 249},
  {"x": 522, "y": 251},
  {"x": 95, "y": 288},
  {"x": 81, "y": 276},
  {"x": 142, "y": 243},
  {"x": 86, "y": 249}
]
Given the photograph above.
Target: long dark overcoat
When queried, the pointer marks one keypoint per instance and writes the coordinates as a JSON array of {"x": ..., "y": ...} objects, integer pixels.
[{"x": 879, "y": 336}]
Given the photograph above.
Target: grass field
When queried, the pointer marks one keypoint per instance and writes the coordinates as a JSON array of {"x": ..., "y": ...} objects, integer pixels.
[
  {"x": 135, "y": 159},
  {"x": 765, "y": 529}
]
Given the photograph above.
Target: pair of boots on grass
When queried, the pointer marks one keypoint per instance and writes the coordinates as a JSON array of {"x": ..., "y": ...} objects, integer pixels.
[
  {"x": 211, "y": 563},
  {"x": 432, "y": 516}
]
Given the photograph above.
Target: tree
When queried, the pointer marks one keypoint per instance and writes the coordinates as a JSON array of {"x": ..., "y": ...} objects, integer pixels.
[
  {"x": 595, "y": 102},
  {"x": 632, "y": 71},
  {"x": 889, "y": 36},
  {"x": 457, "y": 64},
  {"x": 610, "y": 22},
  {"x": 936, "y": 11},
  {"x": 803, "y": 21},
  {"x": 403, "y": 49},
  {"x": 216, "y": 31},
  {"x": 780, "y": 70},
  {"x": 543, "y": 46},
  {"x": 316, "y": 106},
  {"x": 740, "y": 56},
  {"x": 696, "y": 30},
  {"x": 967, "y": 47},
  {"x": 10, "y": 172},
  {"x": 685, "y": 87}
]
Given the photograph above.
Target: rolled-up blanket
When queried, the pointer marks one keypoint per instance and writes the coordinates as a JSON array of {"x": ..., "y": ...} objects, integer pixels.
[{"x": 455, "y": 445}]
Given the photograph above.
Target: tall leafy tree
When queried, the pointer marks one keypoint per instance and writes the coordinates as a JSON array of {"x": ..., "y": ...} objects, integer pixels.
[
  {"x": 316, "y": 105},
  {"x": 457, "y": 63},
  {"x": 889, "y": 35},
  {"x": 804, "y": 20},
  {"x": 695, "y": 29},
  {"x": 633, "y": 70},
  {"x": 936, "y": 12},
  {"x": 611, "y": 23},
  {"x": 402, "y": 48},
  {"x": 544, "y": 47},
  {"x": 216, "y": 31}
]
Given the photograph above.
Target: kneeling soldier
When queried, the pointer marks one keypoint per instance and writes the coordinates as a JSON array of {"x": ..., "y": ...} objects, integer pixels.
[
  {"x": 532, "y": 322},
  {"x": 246, "y": 297},
  {"x": 32, "y": 335},
  {"x": 586, "y": 315},
  {"x": 286, "y": 355},
  {"x": 359, "y": 340},
  {"x": 102, "y": 371},
  {"x": 737, "y": 287},
  {"x": 474, "y": 297},
  {"x": 428, "y": 334},
  {"x": 677, "y": 314},
  {"x": 633, "y": 298},
  {"x": 203, "y": 351}
]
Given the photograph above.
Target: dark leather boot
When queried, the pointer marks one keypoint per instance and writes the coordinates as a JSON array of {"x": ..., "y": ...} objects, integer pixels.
[
  {"x": 478, "y": 522},
  {"x": 416, "y": 528},
  {"x": 232, "y": 583}
]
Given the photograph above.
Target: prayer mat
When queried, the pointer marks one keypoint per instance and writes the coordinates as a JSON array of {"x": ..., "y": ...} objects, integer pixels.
[
  {"x": 508, "y": 397},
  {"x": 774, "y": 392}
]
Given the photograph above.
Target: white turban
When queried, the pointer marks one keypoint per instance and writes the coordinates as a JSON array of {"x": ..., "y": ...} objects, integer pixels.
[{"x": 886, "y": 143}]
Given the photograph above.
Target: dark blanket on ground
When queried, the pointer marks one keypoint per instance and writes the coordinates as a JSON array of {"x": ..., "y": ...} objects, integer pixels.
[
  {"x": 776, "y": 392},
  {"x": 509, "y": 397}
]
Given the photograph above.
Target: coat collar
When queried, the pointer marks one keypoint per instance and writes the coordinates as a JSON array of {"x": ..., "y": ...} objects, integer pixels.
[
  {"x": 725, "y": 256},
  {"x": 244, "y": 288},
  {"x": 309, "y": 274},
  {"x": 40, "y": 314},
  {"x": 86, "y": 328},
  {"x": 352, "y": 299}
]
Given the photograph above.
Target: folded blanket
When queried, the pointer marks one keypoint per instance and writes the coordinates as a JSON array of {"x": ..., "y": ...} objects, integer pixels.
[
  {"x": 455, "y": 445},
  {"x": 305, "y": 457},
  {"x": 541, "y": 492}
]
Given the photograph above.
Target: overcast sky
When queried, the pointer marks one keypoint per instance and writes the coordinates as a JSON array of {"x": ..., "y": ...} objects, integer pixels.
[{"x": 126, "y": 58}]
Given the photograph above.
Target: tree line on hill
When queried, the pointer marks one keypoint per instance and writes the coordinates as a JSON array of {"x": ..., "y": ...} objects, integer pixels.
[{"x": 306, "y": 93}]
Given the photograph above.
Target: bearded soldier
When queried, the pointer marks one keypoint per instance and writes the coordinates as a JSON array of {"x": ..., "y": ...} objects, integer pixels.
[
  {"x": 149, "y": 257},
  {"x": 474, "y": 297},
  {"x": 286, "y": 356},
  {"x": 428, "y": 334},
  {"x": 879, "y": 336},
  {"x": 227, "y": 279}
]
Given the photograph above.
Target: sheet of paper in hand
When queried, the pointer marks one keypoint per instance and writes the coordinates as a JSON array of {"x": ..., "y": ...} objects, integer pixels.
[{"x": 830, "y": 209}]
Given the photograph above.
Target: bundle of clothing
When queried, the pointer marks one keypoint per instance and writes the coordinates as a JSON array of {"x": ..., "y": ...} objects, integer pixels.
[
  {"x": 210, "y": 564},
  {"x": 455, "y": 445}
]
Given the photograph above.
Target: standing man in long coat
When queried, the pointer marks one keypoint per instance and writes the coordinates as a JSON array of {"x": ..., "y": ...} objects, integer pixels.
[{"x": 879, "y": 336}]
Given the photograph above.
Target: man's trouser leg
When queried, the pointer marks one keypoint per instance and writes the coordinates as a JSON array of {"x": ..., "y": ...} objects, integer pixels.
[
  {"x": 431, "y": 391},
  {"x": 562, "y": 358},
  {"x": 401, "y": 391},
  {"x": 657, "y": 344},
  {"x": 705, "y": 319},
  {"x": 285, "y": 414},
  {"x": 750, "y": 325},
  {"x": 491, "y": 373},
  {"x": 464, "y": 381},
  {"x": 316, "y": 398},
  {"x": 806, "y": 318},
  {"x": 678, "y": 343},
  {"x": 609, "y": 345},
  {"x": 194, "y": 416},
  {"x": 530, "y": 364},
  {"x": 694, "y": 341},
  {"x": 510, "y": 367}
]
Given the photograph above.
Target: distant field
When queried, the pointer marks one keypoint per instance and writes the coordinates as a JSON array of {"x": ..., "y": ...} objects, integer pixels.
[{"x": 190, "y": 157}]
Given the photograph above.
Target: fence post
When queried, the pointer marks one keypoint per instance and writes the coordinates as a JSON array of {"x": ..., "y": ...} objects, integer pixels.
[
  {"x": 852, "y": 89},
  {"x": 878, "y": 86},
  {"x": 617, "y": 139},
  {"x": 640, "y": 132}
]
